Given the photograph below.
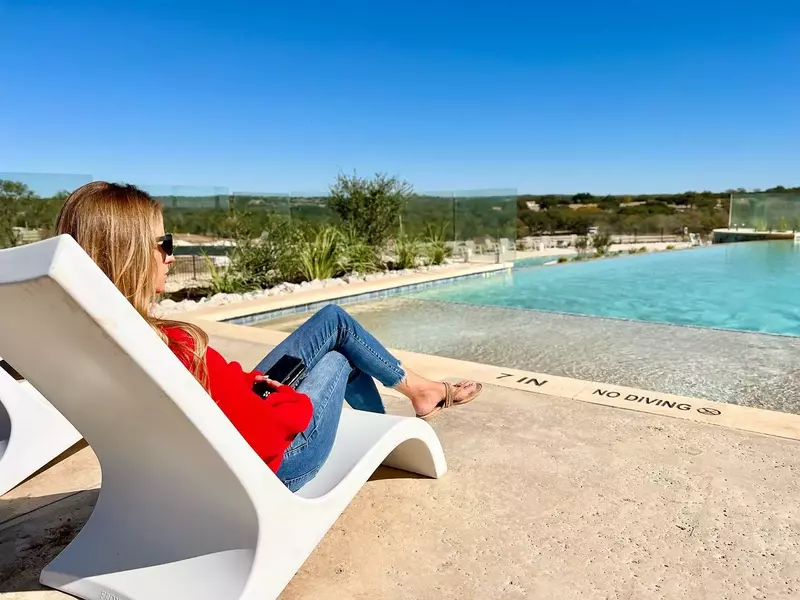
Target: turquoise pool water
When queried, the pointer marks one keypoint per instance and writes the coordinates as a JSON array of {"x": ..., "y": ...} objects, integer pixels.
[
  {"x": 743, "y": 287},
  {"x": 537, "y": 261},
  {"x": 614, "y": 320}
]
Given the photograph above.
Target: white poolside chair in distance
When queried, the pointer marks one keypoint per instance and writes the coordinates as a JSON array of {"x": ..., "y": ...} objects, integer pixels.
[
  {"x": 32, "y": 431},
  {"x": 186, "y": 508}
]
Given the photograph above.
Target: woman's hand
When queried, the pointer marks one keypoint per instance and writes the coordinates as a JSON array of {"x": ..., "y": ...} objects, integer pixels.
[{"x": 270, "y": 382}]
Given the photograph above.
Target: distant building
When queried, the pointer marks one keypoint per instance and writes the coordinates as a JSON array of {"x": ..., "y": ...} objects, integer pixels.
[{"x": 26, "y": 236}]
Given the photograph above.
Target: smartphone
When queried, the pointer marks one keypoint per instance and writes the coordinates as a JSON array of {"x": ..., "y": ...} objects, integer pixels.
[
  {"x": 289, "y": 370},
  {"x": 10, "y": 370}
]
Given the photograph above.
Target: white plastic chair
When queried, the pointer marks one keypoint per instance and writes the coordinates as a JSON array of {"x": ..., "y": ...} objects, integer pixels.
[
  {"x": 186, "y": 508},
  {"x": 32, "y": 431}
]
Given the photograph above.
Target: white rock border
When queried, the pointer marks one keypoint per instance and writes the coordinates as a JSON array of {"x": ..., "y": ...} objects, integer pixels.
[{"x": 169, "y": 307}]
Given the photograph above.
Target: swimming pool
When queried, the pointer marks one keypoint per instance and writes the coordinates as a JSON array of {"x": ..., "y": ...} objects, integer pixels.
[
  {"x": 621, "y": 321},
  {"x": 538, "y": 261},
  {"x": 743, "y": 287}
]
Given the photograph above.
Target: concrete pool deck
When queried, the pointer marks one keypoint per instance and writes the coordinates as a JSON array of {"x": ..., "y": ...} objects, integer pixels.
[
  {"x": 550, "y": 494},
  {"x": 651, "y": 247},
  {"x": 546, "y": 497},
  {"x": 732, "y": 236}
]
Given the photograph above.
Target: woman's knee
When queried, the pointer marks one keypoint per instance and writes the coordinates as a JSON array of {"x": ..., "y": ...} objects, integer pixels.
[
  {"x": 331, "y": 371},
  {"x": 334, "y": 362},
  {"x": 332, "y": 311}
]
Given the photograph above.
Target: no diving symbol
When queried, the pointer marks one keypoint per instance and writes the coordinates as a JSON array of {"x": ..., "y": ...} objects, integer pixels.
[{"x": 709, "y": 411}]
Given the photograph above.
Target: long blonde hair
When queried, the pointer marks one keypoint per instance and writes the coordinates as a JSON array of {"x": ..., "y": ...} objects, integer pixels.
[{"x": 117, "y": 227}]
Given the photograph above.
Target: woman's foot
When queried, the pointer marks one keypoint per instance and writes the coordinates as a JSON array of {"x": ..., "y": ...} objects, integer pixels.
[{"x": 429, "y": 397}]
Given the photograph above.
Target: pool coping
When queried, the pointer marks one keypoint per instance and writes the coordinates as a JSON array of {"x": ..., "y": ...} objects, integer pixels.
[
  {"x": 733, "y": 416},
  {"x": 250, "y": 311}
]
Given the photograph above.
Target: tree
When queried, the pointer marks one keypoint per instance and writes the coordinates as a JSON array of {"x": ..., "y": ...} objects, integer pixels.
[
  {"x": 14, "y": 197},
  {"x": 582, "y": 246},
  {"x": 371, "y": 207},
  {"x": 41, "y": 213},
  {"x": 536, "y": 223},
  {"x": 601, "y": 242},
  {"x": 583, "y": 198}
]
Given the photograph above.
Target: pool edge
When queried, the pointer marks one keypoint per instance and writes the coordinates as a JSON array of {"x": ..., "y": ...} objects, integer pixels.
[
  {"x": 732, "y": 416},
  {"x": 250, "y": 311}
]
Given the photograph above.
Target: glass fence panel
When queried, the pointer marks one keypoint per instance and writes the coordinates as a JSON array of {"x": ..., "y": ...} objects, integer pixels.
[
  {"x": 765, "y": 211},
  {"x": 30, "y": 202}
]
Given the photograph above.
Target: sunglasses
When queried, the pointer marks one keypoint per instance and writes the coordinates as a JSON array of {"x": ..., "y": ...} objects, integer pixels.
[{"x": 165, "y": 242}]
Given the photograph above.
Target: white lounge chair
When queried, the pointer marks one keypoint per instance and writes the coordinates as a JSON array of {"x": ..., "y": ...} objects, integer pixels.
[
  {"x": 32, "y": 432},
  {"x": 186, "y": 508},
  {"x": 472, "y": 247}
]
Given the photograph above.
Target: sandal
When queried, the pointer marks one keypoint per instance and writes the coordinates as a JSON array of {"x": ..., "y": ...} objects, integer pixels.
[{"x": 451, "y": 391}]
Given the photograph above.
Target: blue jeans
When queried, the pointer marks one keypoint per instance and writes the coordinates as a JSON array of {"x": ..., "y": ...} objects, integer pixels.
[{"x": 342, "y": 359}]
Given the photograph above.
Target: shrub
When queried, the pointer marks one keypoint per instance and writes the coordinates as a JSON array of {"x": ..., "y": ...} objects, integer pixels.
[
  {"x": 671, "y": 247},
  {"x": 261, "y": 262},
  {"x": 356, "y": 255},
  {"x": 223, "y": 279},
  {"x": 601, "y": 243},
  {"x": 582, "y": 246},
  {"x": 372, "y": 207},
  {"x": 408, "y": 251},
  {"x": 318, "y": 254},
  {"x": 436, "y": 250}
]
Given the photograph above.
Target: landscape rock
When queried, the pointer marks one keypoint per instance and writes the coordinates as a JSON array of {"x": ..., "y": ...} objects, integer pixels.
[
  {"x": 168, "y": 306},
  {"x": 218, "y": 300}
]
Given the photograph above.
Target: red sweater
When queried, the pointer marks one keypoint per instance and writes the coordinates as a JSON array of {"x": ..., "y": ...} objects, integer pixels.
[{"x": 269, "y": 425}]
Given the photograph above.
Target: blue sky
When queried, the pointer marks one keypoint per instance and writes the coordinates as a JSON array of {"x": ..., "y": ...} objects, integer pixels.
[{"x": 607, "y": 97}]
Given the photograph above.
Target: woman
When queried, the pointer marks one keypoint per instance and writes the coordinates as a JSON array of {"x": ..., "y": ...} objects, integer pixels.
[{"x": 121, "y": 228}]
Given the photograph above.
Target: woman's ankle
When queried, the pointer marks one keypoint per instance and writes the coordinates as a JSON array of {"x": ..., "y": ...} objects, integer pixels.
[
  {"x": 410, "y": 385},
  {"x": 423, "y": 393}
]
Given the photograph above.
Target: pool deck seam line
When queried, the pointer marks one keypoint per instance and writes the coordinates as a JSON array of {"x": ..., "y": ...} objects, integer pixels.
[{"x": 744, "y": 418}]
